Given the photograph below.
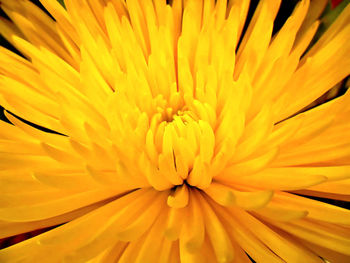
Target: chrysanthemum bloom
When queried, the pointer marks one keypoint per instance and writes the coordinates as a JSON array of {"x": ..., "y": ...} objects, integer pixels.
[{"x": 173, "y": 143}]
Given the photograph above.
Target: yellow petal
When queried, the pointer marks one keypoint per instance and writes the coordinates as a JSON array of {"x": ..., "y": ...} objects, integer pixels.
[
  {"x": 180, "y": 197},
  {"x": 217, "y": 234},
  {"x": 228, "y": 196},
  {"x": 336, "y": 239},
  {"x": 288, "y": 178},
  {"x": 316, "y": 210},
  {"x": 281, "y": 245},
  {"x": 192, "y": 233}
]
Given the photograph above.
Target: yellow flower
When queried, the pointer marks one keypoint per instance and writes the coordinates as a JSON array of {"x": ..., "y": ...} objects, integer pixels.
[{"x": 172, "y": 140}]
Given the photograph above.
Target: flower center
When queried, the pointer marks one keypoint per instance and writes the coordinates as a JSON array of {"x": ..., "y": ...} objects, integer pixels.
[{"x": 180, "y": 145}]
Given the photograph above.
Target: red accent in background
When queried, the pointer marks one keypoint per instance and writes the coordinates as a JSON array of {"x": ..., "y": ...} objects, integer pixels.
[
  {"x": 336, "y": 2},
  {"x": 9, "y": 241}
]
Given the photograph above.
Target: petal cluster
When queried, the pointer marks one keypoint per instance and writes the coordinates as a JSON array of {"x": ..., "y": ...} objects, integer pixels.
[{"x": 169, "y": 132}]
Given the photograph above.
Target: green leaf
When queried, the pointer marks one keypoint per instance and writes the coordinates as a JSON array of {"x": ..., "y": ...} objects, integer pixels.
[
  {"x": 327, "y": 18},
  {"x": 330, "y": 15},
  {"x": 62, "y": 3}
]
